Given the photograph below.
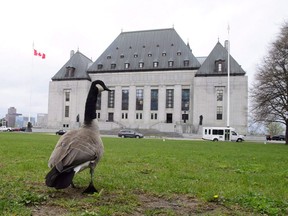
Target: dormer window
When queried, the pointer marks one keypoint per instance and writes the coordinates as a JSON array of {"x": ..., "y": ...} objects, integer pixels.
[
  {"x": 219, "y": 66},
  {"x": 127, "y": 65},
  {"x": 135, "y": 55},
  {"x": 113, "y": 66},
  {"x": 141, "y": 64},
  {"x": 155, "y": 64},
  {"x": 170, "y": 63},
  {"x": 186, "y": 63},
  {"x": 163, "y": 53},
  {"x": 178, "y": 53},
  {"x": 70, "y": 72},
  {"x": 109, "y": 57},
  {"x": 122, "y": 56},
  {"x": 100, "y": 66},
  {"x": 149, "y": 54}
]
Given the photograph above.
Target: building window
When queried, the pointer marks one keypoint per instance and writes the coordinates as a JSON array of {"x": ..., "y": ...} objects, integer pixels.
[
  {"x": 113, "y": 66},
  {"x": 185, "y": 99},
  {"x": 122, "y": 56},
  {"x": 169, "y": 98},
  {"x": 219, "y": 94},
  {"x": 185, "y": 117},
  {"x": 139, "y": 99},
  {"x": 124, "y": 115},
  {"x": 66, "y": 113},
  {"x": 109, "y": 57},
  {"x": 154, "y": 116},
  {"x": 98, "y": 103},
  {"x": 178, "y": 53},
  {"x": 100, "y": 66},
  {"x": 110, "y": 117},
  {"x": 219, "y": 66},
  {"x": 155, "y": 64},
  {"x": 170, "y": 63},
  {"x": 135, "y": 55},
  {"x": 67, "y": 96},
  {"x": 111, "y": 98},
  {"x": 149, "y": 54},
  {"x": 127, "y": 65},
  {"x": 186, "y": 63},
  {"x": 219, "y": 113},
  {"x": 70, "y": 72},
  {"x": 98, "y": 115},
  {"x": 163, "y": 53},
  {"x": 138, "y": 115},
  {"x": 141, "y": 64},
  {"x": 154, "y": 99},
  {"x": 125, "y": 99}
]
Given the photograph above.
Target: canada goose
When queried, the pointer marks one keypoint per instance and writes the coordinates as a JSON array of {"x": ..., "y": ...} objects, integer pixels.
[{"x": 78, "y": 149}]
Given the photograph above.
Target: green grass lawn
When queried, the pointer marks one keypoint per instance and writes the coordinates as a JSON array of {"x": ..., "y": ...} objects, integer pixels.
[{"x": 148, "y": 177}]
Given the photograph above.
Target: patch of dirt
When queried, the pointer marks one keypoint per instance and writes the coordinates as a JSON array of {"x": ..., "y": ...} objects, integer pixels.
[
  {"x": 45, "y": 210},
  {"x": 177, "y": 205},
  {"x": 147, "y": 204}
]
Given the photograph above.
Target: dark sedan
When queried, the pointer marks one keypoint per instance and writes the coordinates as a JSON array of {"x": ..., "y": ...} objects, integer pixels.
[
  {"x": 129, "y": 133},
  {"x": 278, "y": 137},
  {"x": 60, "y": 132}
]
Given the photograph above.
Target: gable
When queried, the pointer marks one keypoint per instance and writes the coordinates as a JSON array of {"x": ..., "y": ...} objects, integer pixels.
[
  {"x": 74, "y": 69},
  {"x": 216, "y": 64}
]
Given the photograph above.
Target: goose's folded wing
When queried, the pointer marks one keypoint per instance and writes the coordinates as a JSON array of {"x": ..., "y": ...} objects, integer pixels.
[{"x": 73, "y": 150}]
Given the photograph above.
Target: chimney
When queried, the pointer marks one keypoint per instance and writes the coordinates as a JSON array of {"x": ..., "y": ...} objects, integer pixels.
[
  {"x": 226, "y": 44},
  {"x": 71, "y": 53}
]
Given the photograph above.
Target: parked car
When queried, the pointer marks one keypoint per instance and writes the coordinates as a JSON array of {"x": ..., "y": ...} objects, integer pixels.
[
  {"x": 127, "y": 133},
  {"x": 278, "y": 137},
  {"x": 4, "y": 128},
  {"x": 60, "y": 132}
]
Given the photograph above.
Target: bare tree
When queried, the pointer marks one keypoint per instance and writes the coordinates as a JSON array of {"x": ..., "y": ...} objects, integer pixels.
[{"x": 269, "y": 93}]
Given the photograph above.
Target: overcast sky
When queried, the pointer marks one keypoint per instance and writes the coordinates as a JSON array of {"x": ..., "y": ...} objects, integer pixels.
[{"x": 57, "y": 27}]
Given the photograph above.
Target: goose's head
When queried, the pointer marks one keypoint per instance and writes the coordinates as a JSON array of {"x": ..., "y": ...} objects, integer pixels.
[{"x": 100, "y": 86}]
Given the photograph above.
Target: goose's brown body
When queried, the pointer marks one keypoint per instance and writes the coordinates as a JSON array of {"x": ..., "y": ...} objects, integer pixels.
[{"x": 78, "y": 149}]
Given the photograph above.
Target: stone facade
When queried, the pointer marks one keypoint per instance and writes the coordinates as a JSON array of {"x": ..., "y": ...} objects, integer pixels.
[{"x": 167, "y": 92}]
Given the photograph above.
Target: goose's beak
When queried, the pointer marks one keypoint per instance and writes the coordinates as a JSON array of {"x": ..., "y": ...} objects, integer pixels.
[{"x": 107, "y": 89}]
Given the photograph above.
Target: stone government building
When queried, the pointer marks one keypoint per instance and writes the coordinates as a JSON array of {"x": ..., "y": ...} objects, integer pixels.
[{"x": 156, "y": 82}]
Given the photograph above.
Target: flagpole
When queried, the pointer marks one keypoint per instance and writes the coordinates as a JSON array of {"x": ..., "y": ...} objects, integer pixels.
[
  {"x": 228, "y": 80},
  {"x": 31, "y": 76}
]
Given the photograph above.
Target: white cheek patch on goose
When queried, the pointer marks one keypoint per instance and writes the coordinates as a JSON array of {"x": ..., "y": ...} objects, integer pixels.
[{"x": 100, "y": 88}]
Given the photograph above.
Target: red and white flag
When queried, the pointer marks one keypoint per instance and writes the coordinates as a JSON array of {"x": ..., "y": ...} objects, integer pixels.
[{"x": 42, "y": 55}]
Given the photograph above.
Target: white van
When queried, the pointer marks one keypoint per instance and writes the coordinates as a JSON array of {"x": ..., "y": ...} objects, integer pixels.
[{"x": 221, "y": 134}]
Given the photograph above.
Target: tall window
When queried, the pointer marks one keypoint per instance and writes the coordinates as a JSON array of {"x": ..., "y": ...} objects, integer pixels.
[
  {"x": 154, "y": 99},
  {"x": 169, "y": 98},
  {"x": 219, "y": 94},
  {"x": 186, "y": 63},
  {"x": 67, "y": 96},
  {"x": 141, "y": 64},
  {"x": 185, "y": 99},
  {"x": 219, "y": 113},
  {"x": 66, "y": 114},
  {"x": 70, "y": 72},
  {"x": 139, "y": 99},
  {"x": 111, "y": 98},
  {"x": 155, "y": 64},
  {"x": 125, "y": 99},
  {"x": 127, "y": 65},
  {"x": 219, "y": 66},
  {"x": 98, "y": 103}
]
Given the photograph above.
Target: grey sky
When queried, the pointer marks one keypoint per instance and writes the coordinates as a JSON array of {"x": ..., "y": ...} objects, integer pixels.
[{"x": 56, "y": 27}]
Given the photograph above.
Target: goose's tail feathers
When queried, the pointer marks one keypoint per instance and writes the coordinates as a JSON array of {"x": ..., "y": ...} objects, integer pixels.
[{"x": 59, "y": 180}]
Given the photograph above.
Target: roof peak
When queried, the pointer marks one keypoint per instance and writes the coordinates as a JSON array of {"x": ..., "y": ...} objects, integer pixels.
[{"x": 150, "y": 30}]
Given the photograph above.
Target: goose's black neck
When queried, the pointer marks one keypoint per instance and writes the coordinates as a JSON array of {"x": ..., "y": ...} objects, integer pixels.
[{"x": 90, "y": 106}]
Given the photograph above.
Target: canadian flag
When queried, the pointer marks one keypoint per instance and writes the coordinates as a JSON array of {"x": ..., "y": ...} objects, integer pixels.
[{"x": 36, "y": 53}]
